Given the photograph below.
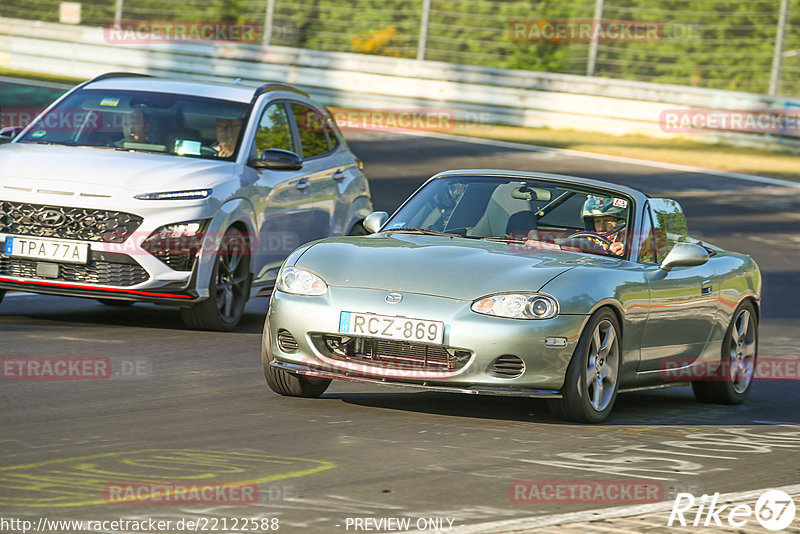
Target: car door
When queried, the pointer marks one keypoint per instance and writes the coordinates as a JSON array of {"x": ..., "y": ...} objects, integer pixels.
[
  {"x": 683, "y": 302},
  {"x": 285, "y": 207},
  {"x": 322, "y": 166}
]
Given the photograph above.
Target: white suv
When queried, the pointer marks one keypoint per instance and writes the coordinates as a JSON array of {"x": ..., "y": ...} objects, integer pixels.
[{"x": 132, "y": 188}]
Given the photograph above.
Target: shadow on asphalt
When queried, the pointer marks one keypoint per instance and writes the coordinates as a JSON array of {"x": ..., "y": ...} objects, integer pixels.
[
  {"x": 88, "y": 312},
  {"x": 672, "y": 406}
]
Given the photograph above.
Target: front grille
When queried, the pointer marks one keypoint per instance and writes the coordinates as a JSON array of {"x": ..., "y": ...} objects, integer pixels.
[
  {"x": 507, "y": 366},
  {"x": 95, "y": 272},
  {"x": 38, "y": 220},
  {"x": 389, "y": 354}
]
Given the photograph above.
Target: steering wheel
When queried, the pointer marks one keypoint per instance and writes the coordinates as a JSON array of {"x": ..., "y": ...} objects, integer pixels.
[{"x": 593, "y": 237}]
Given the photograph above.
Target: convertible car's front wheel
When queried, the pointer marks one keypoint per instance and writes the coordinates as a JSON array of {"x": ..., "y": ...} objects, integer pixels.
[
  {"x": 288, "y": 384},
  {"x": 731, "y": 383},
  {"x": 229, "y": 288},
  {"x": 592, "y": 380}
]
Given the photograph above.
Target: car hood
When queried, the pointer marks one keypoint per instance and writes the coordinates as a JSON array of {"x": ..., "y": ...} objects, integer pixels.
[
  {"x": 105, "y": 171},
  {"x": 455, "y": 268}
]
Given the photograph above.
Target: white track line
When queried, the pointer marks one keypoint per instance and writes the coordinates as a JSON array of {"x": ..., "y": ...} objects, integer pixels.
[
  {"x": 525, "y": 523},
  {"x": 605, "y": 157}
]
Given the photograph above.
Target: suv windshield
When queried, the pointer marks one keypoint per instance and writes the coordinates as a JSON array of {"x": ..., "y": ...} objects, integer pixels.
[
  {"x": 536, "y": 213},
  {"x": 144, "y": 121}
]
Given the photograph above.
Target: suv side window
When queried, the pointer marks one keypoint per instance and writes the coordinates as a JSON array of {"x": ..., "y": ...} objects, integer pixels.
[
  {"x": 311, "y": 129},
  {"x": 273, "y": 130},
  {"x": 331, "y": 131}
]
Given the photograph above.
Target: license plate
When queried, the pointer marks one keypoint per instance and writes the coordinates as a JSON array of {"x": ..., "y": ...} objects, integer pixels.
[
  {"x": 386, "y": 327},
  {"x": 44, "y": 249}
]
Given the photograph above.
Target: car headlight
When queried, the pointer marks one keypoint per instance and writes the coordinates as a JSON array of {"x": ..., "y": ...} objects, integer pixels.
[
  {"x": 194, "y": 194},
  {"x": 177, "y": 244},
  {"x": 517, "y": 306},
  {"x": 300, "y": 282}
]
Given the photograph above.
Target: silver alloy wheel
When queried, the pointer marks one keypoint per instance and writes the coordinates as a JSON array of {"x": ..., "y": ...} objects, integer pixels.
[
  {"x": 231, "y": 279},
  {"x": 602, "y": 365},
  {"x": 742, "y": 351}
]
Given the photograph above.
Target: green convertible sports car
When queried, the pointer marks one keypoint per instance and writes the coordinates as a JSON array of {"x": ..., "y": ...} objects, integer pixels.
[{"x": 518, "y": 283}]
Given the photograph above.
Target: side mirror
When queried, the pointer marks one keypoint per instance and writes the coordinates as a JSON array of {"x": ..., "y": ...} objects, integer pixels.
[
  {"x": 374, "y": 221},
  {"x": 684, "y": 255},
  {"x": 9, "y": 132},
  {"x": 276, "y": 159}
]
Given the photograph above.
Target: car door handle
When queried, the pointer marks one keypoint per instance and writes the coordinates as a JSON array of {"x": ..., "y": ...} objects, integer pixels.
[
  {"x": 301, "y": 184},
  {"x": 706, "y": 288},
  {"x": 339, "y": 175}
]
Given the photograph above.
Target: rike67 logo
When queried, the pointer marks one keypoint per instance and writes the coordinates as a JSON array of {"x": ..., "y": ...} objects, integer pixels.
[{"x": 774, "y": 510}]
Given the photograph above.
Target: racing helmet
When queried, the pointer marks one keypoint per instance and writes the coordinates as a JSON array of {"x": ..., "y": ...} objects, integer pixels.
[{"x": 604, "y": 207}]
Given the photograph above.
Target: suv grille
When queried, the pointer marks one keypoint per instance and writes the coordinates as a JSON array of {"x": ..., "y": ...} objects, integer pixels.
[
  {"x": 390, "y": 354},
  {"x": 59, "y": 222},
  {"x": 95, "y": 272}
]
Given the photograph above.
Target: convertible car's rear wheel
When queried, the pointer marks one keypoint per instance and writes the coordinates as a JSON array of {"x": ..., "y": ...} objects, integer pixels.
[
  {"x": 284, "y": 382},
  {"x": 229, "y": 288},
  {"x": 592, "y": 380},
  {"x": 731, "y": 383}
]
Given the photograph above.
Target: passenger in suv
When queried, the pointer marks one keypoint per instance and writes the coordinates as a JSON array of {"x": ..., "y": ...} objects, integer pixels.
[{"x": 183, "y": 214}]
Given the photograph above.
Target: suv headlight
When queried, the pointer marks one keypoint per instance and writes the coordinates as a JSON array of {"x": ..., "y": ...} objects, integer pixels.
[
  {"x": 517, "y": 306},
  {"x": 194, "y": 194},
  {"x": 300, "y": 282},
  {"x": 177, "y": 244}
]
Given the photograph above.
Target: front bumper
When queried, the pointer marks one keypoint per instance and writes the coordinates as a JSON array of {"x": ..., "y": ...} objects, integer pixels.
[{"x": 486, "y": 338}]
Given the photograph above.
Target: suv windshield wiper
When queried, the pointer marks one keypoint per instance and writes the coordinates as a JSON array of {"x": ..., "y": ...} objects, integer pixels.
[{"x": 422, "y": 231}]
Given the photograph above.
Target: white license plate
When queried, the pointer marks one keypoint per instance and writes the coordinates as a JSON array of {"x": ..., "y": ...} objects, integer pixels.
[
  {"x": 44, "y": 249},
  {"x": 386, "y": 327}
]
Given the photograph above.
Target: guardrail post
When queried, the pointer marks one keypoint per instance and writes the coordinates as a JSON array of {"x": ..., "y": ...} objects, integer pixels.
[
  {"x": 777, "y": 57},
  {"x": 268, "y": 21},
  {"x": 118, "y": 13},
  {"x": 596, "y": 21},
  {"x": 423, "y": 29}
]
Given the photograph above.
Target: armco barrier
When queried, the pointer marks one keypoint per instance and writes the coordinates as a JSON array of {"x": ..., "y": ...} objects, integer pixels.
[{"x": 476, "y": 94}]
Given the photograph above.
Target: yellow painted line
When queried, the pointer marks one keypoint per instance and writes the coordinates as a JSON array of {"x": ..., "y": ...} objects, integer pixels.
[{"x": 88, "y": 478}]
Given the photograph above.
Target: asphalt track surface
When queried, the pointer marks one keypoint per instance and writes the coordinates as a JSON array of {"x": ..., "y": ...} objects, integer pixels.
[{"x": 186, "y": 405}]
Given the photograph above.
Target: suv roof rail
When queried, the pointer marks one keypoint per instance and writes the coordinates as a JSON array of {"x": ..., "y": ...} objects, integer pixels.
[
  {"x": 274, "y": 86},
  {"x": 108, "y": 75}
]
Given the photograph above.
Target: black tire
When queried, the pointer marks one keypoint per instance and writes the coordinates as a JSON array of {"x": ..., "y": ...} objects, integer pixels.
[
  {"x": 284, "y": 382},
  {"x": 723, "y": 387},
  {"x": 2, "y": 294},
  {"x": 229, "y": 287},
  {"x": 576, "y": 403},
  {"x": 117, "y": 303}
]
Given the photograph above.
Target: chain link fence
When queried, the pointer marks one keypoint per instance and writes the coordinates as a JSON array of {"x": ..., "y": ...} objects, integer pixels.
[{"x": 714, "y": 44}]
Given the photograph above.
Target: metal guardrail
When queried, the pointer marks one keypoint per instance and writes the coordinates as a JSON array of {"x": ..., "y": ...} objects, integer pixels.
[{"x": 474, "y": 94}]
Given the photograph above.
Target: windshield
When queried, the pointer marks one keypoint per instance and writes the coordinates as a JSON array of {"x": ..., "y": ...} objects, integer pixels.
[
  {"x": 144, "y": 121},
  {"x": 534, "y": 213}
]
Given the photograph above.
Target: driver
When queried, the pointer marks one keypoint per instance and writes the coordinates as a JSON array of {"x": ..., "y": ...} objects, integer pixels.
[{"x": 607, "y": 217}]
